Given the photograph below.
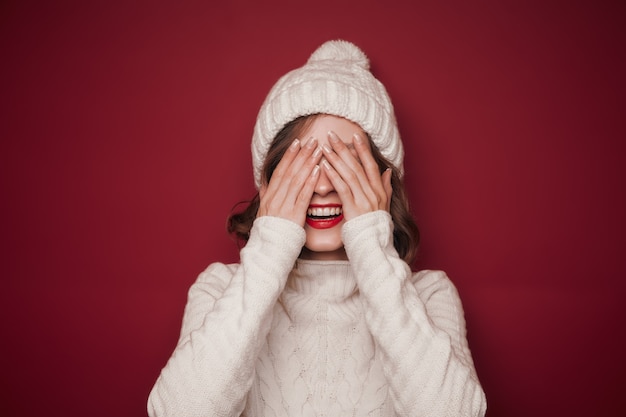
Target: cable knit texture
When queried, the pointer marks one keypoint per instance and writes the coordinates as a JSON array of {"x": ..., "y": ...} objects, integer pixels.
[{"x": 278, "y": 336}]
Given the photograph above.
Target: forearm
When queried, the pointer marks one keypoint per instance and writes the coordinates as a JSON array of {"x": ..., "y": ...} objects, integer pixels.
[
  {"x": 423, "y": 348},
  {"x": 211, "y": 370}
]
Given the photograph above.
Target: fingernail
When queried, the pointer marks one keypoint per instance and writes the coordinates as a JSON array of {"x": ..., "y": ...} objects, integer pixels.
[
  {"x": 358, "y": 139},
  {"x": 326, "y": 164},
  {"x": 333, "y": 136},
  {"x": 317, "y": 152},
  {"x": 294, "y": 145},
  {"x": 327, "y": 148},
  {"x": 311, "y": 143},
  {"x": 316, "y": 169}
]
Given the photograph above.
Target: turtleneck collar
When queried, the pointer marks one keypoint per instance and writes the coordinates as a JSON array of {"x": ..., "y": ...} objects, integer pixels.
[{"x": 330, "y": 280}]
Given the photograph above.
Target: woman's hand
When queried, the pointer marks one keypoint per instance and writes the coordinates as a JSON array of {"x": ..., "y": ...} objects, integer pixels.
[
  {"x": 356, "y": 178},
  {"x": 290, "y": 189}
]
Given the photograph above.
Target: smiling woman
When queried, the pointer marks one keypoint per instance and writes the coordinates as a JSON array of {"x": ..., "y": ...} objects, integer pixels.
[
  {"x": 325, "y": 214},
  {"x": 323, "y": 315},
  {"x": 318, "y": 125}
]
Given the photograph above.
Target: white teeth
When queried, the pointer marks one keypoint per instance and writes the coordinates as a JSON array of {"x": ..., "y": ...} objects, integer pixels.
[{"x": 324, "y": 211}]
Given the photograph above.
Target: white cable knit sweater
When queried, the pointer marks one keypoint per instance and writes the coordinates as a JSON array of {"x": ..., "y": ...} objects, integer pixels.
[{"x": 364, "y": 337}]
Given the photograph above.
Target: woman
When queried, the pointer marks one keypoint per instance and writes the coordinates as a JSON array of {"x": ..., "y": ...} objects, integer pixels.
[{"x": 323, "y": 316}]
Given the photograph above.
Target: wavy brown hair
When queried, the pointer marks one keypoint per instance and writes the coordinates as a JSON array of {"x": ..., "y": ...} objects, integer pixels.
[{"x": 405, "y": 232}]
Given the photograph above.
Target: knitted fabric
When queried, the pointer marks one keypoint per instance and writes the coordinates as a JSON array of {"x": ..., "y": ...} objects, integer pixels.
[
  {"x": 324, "y": 338},
  {"x": 335, "y": 80}
]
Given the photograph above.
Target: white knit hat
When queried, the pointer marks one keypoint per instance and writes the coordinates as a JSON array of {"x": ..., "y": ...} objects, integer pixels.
[{"x": 335, "y": 80}]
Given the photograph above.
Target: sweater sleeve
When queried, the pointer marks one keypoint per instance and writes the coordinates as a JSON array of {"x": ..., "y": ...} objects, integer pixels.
[
  {"x": 417, "y": 323},
  {"x": 226, "y": 320}
]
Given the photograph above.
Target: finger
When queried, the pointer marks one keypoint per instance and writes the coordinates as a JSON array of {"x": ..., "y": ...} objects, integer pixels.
[
  {"x": 386, "y": 180},
  {"x": 351, "y": 172},
  {"x": 261, "y": 210},
  {"x": 303, "y": 199},
  {"x": 287, "y": 159},
  {"x": 364, "y": 153},
  {"x": 301, "y": 177},
  {"x": 341, "y": 187},
  {"x": 371, "y": 168},
  {"x": 341, "y": 176},
  {"x": 274, "y": 181},
  {"x": 347, "y": 155},
  {"x": 289, "y": 166},
  {"x": 352, "y": 206}
]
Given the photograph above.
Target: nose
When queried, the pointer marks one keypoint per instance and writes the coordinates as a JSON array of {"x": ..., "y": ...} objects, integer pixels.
[{"x": 323, "y": 186}]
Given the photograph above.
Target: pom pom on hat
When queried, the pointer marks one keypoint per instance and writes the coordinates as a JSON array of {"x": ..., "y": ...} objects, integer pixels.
[
  {"x": 335, "y": 80},
  {"x": 340, "y": 51}
]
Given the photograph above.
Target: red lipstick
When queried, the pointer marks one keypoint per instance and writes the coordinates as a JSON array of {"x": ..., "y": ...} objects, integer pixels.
[{"x": 324, "y": 216}]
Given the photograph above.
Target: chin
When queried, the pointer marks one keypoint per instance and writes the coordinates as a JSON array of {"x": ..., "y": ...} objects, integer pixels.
[{"x": 323, "y": 246}]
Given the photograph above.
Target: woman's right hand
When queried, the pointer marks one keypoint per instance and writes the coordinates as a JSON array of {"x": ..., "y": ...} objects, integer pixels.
[{"x": 290, "y": 189}]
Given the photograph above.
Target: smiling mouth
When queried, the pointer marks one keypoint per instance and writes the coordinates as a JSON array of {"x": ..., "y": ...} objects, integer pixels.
[{"x": 324, "y": 216}]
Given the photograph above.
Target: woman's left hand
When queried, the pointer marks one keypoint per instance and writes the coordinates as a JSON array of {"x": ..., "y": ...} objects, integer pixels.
[{"x": 356, "y": 178}]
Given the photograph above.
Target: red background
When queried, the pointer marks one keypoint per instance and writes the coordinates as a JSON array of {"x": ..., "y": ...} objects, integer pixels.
[{"x": 125, "y": 131}]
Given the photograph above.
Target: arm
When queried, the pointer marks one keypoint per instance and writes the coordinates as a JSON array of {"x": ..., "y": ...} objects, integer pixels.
[
  {"x": 420, "y": 335},
  {"x": 226, "y": 321},
  {"x": 229, "y": 311},
  {"x": 417, "y": 324}
]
